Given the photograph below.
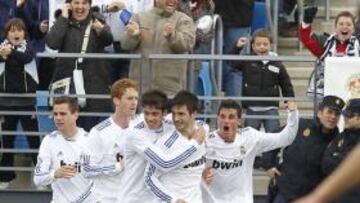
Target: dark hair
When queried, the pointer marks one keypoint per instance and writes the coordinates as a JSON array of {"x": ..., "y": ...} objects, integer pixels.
[
  {"x": 155, "y": 98},
  {"x": 230, "y": 104},
  {"x": 119, "y": 87},
  {"x": 72, "y": 102},
  {"x": 69, "y": 1},
  {"x": 346, "y": 14},
  {"x": 187, "y": 99},
  {"x": 262, "y": 33},
  {"x": 16, "y": 23}
]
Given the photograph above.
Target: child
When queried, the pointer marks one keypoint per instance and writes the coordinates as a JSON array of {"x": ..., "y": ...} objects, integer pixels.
[
  {"x": 262, "y": 79},
  {"x": 340, "y": 43},
  {"x": 17, "y": 75}
]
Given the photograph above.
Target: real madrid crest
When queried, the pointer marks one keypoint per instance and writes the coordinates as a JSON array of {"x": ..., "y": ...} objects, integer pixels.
[
  {"x": 340, "y": 143},
  {"x": 306, "y": 132}
]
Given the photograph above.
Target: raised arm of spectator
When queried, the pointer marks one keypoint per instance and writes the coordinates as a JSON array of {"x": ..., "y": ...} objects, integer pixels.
[
  {"x": 24, "y": 55},
  {"x": 313, "y": 42},
  {"x": 180, "y": 36},
  {"x": 56, "y": 36},
  {"x": 237, "y": 48},
  {"x": 131, "y": 39}
]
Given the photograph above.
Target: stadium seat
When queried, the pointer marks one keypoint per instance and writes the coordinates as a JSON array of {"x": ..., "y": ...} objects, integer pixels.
[
  {"x": 260, "y": 19},
  {"x": 203, "y": 86},
  {"x": 46, "y": 123}
]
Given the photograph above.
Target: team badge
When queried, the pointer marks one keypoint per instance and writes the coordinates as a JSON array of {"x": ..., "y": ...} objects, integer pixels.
[
  {"x": 340, "y": 143},
  {"x": 306, "y": 132}
]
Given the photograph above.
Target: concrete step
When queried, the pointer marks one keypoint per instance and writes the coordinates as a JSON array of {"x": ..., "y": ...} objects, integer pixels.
[{"x": 302, "y": 73}]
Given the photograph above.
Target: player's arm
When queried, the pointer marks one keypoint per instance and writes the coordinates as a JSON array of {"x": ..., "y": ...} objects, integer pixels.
[
  {"x": 94, "y": 156},
  {"x": 345, "y": 177},
  {"x": 166, "y": 161},
  {"x": 156, "y": 187},
  {"x": 44, "y": 174},
  {"x": 270, "y": 141}
]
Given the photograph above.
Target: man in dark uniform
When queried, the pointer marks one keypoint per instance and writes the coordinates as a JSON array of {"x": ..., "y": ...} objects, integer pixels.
[
  {"x": 300, "y": 172},
  {"x": 343, "y": 143}
]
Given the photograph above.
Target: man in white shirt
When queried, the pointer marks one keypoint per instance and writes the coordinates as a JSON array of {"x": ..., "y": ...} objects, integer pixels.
[
  {"x": 60, "y": 156},
  {"x": 106, "y": 142},
  {"x": 182, "y": 184},
  {"x": 140, "y": 149},
  {"x": 230, "y": 154}
]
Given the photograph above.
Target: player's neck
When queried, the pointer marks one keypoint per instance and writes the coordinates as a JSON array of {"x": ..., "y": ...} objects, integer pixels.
[
  {"x": 189, "y": 130},
  {"x": 71, "y": 132},
  {"x": 121, "y": 120}
]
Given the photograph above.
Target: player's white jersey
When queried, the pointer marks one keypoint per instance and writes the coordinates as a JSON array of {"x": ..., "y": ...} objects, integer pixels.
[
  {"x": 233, "y": 162},
  {"x": 105, "y": 145},
  {"x": 55, "y": 151},
  {"x": 183, "y": 181}
]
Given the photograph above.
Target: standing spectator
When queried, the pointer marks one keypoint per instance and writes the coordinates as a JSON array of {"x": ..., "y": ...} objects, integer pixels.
[
  {"x": 35, "y": 14},
  {"x": 161, "y": 30},
  {"x": 60, "y": 155},
  {"x": 237, "y": 19},
  {"x": 18, "y": 75},
  {"x": 341, "y": 43},
  {"x": 262, "y": 79},
  {"x": 67, "y": 36},
  {"x": 341, "y": 146},
  {"x": 300, "y": 172}
]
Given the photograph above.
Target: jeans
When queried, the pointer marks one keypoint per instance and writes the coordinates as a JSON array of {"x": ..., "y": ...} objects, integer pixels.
[
  {"x": 232, "y": 79},
  {"x": 270, "y": 125}
]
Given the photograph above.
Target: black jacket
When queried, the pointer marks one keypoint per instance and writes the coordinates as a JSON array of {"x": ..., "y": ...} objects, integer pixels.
[
  {"x": 235, "y": 13},
  {"x": 335, "y": 153},
  {"x": 66, "y": 36},
  {"x": 301, "y": 168},
  {"x": 15, "y": 79},
  {"x": 263, "y": 80}
]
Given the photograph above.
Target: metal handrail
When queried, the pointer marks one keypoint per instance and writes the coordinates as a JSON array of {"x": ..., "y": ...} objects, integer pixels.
[{"x": 217, "y": 48}]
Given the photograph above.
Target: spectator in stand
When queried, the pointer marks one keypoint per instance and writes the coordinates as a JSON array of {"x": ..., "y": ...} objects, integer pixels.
[
  {"x": 357, "y": 26},
  {"x": 341, "y": 43},
  {"x": 262, "y": 79},
  {"x": 341, "y": 146},
  {"x": 35, "y": 14},
  {"x": 18, "y": 75},
  {"x": 300, "y": 171},
  {"x": 161, "y": 30},
  {"x": 237, "y": 18},
  {"x": 67, "y": 36}
]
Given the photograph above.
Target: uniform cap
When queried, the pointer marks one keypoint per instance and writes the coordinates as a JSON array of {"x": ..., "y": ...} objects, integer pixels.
[
  {"x": 332, "y": 102},
  {"x": 352, "y": 107}
]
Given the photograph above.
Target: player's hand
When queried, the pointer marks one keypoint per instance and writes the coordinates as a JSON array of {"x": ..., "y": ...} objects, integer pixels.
[
  {"x": 208, "y": 175},
  {"x": 199, "y": 135},
  {"x": 97, "y": 26},
  {"x": 291, "y": 106},
  {"x": 242, "y": 41},
  {"x": 180, "y": 201},
  {"x": 169, "y": 30},
  {"x": 133, "y": 29},
  {"x": 272, "y": 172},
  {"x": 65, "y": 172},
  {"x": 115, "y": 6},
  {"x": 44, "y": 26}
]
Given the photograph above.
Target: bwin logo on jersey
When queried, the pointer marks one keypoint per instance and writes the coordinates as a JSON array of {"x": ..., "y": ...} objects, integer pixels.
[{"x": 227, "y": 165}]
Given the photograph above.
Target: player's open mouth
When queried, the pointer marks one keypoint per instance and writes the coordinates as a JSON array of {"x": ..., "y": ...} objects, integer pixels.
[
  {"x": 344, "y": 32},
  {"x": 226, "y": 128}
]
